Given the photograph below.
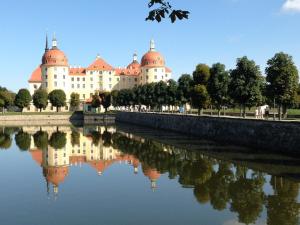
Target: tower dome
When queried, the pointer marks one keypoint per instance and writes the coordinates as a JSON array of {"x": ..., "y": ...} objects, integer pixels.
[
  {"x": 54, "y": 56},
  {"x": 153, "y": 58}
]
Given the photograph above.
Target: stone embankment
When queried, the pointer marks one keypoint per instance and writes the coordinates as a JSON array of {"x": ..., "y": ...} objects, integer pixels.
[
  {"x": 275, "y": 136},
  {"x": 42, "y": 119}
]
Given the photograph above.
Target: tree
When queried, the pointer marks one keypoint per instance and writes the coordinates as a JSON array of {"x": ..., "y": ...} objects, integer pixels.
[
  {"x": 5, "y": 140},
  {"x": 75, "y": 138},
  {"x": 200, "y": 97},
  {"x": 282, "y": 81},
  {"x": 23, "y": 140},
  {"x": 2, "y": 104},
  {"x": 114, "y": 97},
  {"x": 185, "y": 84},
  {"x": 40, "y": 139},
  {"x": 201, "y": 74},
  {"x": 105, "y": 100},
  {"x": 57, "y": 98},
  {"x": 23, "y": 99},
  {"x": 40, "y": 99},
  {"x": 160, "y": 93},
  {"x": 96, "y": 101},
  {"x": 172, "y": 90},
  {"x": 7, "y": 97},
  {"x": 218, "y": 86},
  {"x": 58, "y": 140},
  {"x": 165, "y": 9},
  {"x": 75, "y": 100},
  {"x": 246, "y": 84}
]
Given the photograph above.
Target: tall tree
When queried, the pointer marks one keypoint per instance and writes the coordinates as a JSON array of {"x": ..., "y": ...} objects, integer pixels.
[
  {"x": 105, "y": 100},
  {"x": 96, "y": 101},
  {"x": 200, "y": 97},
  {"x": 23, "y": 99},
  {"x": 201, "y": 74},
  {"x": 246, "y": 84},
  {"x": 218, "y": 86},
  {"x": 57, "y": 98},
  {"x": 2, "y": 104},
  {"x": 185, "y": 84},
  {"x": 74, "y": 101},
  {"x": 282, "y": 81},
  {"x": 160, "y": 93},
  {"x": 40, "y": 99},
  {"x": 58, "y": 140},
  {"x": 172, "y": 90},
  {"x": 40, "y": 139},
  {"x": 7, "y": 97}
]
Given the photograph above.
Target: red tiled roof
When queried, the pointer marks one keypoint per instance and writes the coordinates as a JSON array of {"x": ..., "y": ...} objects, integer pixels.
[
  {"x": 168, "y": 70},
  {"x": 153, "y": 59},
  {"x": 55, "y": 57},
  {"x": 99, "y": 64},
  {"x": 36, "y": 76},
  {"x": 77, "y": 71}
]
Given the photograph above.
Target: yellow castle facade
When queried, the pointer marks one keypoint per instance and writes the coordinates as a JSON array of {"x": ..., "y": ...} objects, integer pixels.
[{"x": 54, "y": 72}]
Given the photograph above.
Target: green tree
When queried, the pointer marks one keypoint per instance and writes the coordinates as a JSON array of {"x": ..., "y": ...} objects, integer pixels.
[
  {"x": 57, "y": 98},
  {"x": 114, "y": 97},
  {"x": 246, "y": 84},
  {"x": 96, "y": 101},
  {"x": 75, "y": 101},
  {"x": 105, "y": 100},
  {"x": 75, "y": 138},
  {"x": 23, "y": 99},
  {"x": 2, "y": 105},
  {"x": 200, "y": 97},
  {"x": 160, "y": 93},
  {"x": 185, "y": 85},
  {"x": 40, "y": 139},
  {"x": 40, "y": 99},
  {"x": 7, "y": 97},
  {"x": 58, "y": 140},
  {"x": 218, "y": 86},
  {"x": 172, "y": 91},
  {"x": 23, "y": 140},
  {"x": 201, "y": 74},
  {"x": 282, "y": 81}
]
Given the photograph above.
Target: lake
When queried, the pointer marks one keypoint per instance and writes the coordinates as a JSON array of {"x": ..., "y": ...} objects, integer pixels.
[{"x": 127, "y": 175}]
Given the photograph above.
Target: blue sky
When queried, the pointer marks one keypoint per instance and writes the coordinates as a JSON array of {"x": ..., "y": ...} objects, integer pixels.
[{"x": 218, "y": 30}]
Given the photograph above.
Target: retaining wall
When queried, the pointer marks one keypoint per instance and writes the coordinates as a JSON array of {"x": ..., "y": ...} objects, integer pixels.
[{"x": 279, "y": 136}]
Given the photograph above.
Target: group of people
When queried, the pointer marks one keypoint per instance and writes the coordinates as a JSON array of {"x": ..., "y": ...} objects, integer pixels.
[{"x": 262, "y": 112}]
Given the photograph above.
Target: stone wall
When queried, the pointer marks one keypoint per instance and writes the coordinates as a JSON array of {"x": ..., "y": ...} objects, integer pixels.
[
  {"x": 283, "y": 137},
  {"x": 96, "y": 118},
  {"x": 43, "y": 119}
]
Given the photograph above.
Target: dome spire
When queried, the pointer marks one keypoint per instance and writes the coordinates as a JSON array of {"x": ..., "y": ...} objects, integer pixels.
[
  {"x": 135, "y": 57},
  {"x": 46, "y": 47},
  {"x": 152, "y": 45},
  {"x": 54, "y": 41}
]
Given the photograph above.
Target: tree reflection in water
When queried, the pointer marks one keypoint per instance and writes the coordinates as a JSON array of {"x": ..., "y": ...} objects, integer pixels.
[{"x": 222, "y": 184}]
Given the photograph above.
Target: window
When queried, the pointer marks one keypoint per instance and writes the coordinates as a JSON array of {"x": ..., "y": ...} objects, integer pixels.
[
  {"x": 64, "y": 76},
  {"x": 147, "y": 70},
  {"x": 55, "y": 76},
  {"x": 91, "y": 79},
  {"x": 83, "y": 79},
  {"x": 155, "y": 70},
  {"x": 110, "y": 86},
  {"x": 34, "y": 86},
  {"x": 46, "y": 84},
  {"x": 166, "y": 75},
  {"x": 147, "y": 77},
  {"x": 78, "y": 85},
  {"x": 55, "y": 69},
  {"x": 46, "y": 69},
  {"x": 155, "y": 77},
  {"x": 78, "y": 79},
  {"x": 83, "y": 86},
  {"x": 135, "y": 79},
  {"x": 109, "y": 72},
  {"x": 83, "y": 96},
  {"x": 92, "y": 86},
  {"x": 46, "y": 76},
  {"x": 118, "y": 79},
  {"x": 55, "y": 84},
  {"x": 100, "y": 78},
  {"x": 109, "y": 79},
  {"x": 100, "y": 72},
  {"x": 72, "y": 79},
  {"x": 91, "y": 72},
  {"x": 72, "y": 85}
]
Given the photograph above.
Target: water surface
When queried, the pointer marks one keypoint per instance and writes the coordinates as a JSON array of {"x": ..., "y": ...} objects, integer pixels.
[{"x": 124, "y": 175}]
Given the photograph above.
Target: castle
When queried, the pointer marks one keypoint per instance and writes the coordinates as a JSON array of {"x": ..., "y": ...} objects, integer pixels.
[{"x": 55, "y": 73}]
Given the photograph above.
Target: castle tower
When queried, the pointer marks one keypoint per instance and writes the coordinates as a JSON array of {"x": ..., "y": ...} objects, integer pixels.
[{"x": 55, "y": 69}]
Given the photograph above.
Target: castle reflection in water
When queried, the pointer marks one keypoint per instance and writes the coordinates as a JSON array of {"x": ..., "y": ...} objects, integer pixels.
[
  {"x": 67, "y": 147},
  {"x": 223, "y": 182}
]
